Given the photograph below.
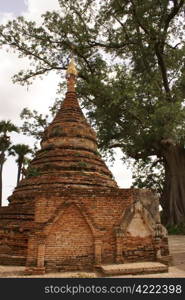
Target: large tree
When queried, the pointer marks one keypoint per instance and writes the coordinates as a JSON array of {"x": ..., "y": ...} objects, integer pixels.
[
  {"x": 20, "y": 150},
  {"x": 131, "y": 60},
  {"x": 6, "y": 127}
]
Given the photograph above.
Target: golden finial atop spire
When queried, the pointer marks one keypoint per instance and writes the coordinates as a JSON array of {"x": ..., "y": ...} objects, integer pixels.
[
  {"x": 72, "y": 68},
  {"x": 71, "y": 75}
]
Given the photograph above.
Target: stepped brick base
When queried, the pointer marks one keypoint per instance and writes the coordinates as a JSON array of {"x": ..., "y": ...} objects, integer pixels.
[
  {"x": 133, "y": 268},
  {"x": 12, "y": 260},
  {"x": 34, "y": 271}
]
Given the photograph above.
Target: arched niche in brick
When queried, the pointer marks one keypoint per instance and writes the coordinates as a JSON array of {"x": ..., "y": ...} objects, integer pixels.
[
  {"x": 135, "y": 234},
  {"x": 60, "y": 210},
  {"x": 69, "y": 242},
  {"x": 128, "y": 223}
]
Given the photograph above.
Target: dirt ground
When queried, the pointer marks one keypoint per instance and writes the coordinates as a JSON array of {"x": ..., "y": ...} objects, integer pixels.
[{"x": 177, "y": 269}]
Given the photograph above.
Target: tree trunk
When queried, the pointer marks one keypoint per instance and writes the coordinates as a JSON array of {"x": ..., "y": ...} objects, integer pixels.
[
  {"x": 2, "y": 160},
  {"x": 1, "y": 183},
  {"x": 173, "y": 197},
  {"x": 19, "y": 172}
]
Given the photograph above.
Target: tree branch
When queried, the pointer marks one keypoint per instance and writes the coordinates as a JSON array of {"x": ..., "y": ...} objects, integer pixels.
[
  {"x": 159, "y": 47},
  {"x": 136, "y": 155},
  {"x": 24, "y": 50},
  {"x": 116, "y": 145},
  {"x": 137, "y": 19},
  {"x": 40, "y": 72},
  {"x": 175, "y": 9}
]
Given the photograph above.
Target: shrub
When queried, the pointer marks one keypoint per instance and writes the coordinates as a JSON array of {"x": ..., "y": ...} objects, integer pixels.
[
  {"x": 32, "y": 172},
  {"x": 176, "y": 229}
]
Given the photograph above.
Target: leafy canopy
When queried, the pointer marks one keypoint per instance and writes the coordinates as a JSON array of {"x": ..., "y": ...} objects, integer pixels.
[
  {"x": 131, "y": 61},
  {"x": 20, "y": 150}
]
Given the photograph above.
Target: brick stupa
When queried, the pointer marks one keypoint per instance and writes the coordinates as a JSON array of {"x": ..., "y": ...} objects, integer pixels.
[{"x": 68, "y": 213}]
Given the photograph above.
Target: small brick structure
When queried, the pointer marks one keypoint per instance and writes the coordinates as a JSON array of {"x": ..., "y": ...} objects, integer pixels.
[{"x": 69, "y": 214}]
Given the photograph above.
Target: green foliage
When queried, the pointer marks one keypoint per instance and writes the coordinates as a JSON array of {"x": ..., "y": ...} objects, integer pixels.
[
  {"x": 21, "y": 150},
  {"x": 77, "y": 154},
  {"x": 4, "y": 143},
  {"x": 32, "y": 172},
  {"x": 148, "y": 173},
  {"x": 34, "y": 123},
  {"x": 97, "y": 153},
  {"x": 82, "y": 164},
  {"x": 134, "y": 94},
  {"x": 176, "y": 229},
  {"x": 6, "y": 127},
  {"x": 57, "y": 131}
]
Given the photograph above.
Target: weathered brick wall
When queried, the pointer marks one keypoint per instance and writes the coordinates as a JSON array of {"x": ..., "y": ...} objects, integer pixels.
[
  {"x": 70, "y": 242},
  {"x": 138, "y": 249},
  {"x": 15, "y": 225},
  {"x": 74, "y": 230},
  {"x": 74, "y": 220},
  {"x": 164, "y": 246},
  {"x": 32, "y": 250},
  {"x": 104, "y": 207},
  {"x": 108, "y": 247}
]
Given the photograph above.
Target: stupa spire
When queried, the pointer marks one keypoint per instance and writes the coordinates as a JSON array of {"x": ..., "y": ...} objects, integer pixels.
[
  {"x": 68, "y": 157},
  {"x": 71, "y": 75}
]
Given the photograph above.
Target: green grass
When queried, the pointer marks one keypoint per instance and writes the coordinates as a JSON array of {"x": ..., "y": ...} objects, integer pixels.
[{"x": 176, "y": 229}]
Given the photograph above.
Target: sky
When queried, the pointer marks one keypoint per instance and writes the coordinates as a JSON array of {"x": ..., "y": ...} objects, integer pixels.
[
  {"x": 39, "y": 96},
  {"x": 12, "y": 6}
]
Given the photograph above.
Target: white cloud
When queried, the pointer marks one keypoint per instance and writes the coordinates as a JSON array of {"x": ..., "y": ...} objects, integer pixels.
[
  {"x": 5, "y": 17},
  {"x": 13, "y": 97},
  {"x": 37, "y": 8},
  {"x": 121, "y": 172}
]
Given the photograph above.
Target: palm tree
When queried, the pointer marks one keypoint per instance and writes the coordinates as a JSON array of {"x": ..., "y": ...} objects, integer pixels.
[
  {"x": 25, "y": 166},
  {"x": 21, "y": 150},
  {"x": 5, "y": 128}
]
